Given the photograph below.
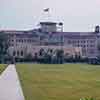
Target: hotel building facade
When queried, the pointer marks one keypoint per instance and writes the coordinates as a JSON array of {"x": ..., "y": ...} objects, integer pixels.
[{"x": 51, "y": 36}]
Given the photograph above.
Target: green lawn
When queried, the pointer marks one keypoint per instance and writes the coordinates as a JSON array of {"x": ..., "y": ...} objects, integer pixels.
[
  {"x": 2, "y": 67},
  {"x": 59, "y": 82}
]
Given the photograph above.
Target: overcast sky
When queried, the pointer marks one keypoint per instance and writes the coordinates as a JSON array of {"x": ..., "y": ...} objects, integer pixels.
[{"x": 77, "y": 15}]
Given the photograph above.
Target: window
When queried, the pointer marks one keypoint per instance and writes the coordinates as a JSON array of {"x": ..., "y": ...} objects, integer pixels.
[
  {"x": 17, "y": 40},
  {"x": 87, "y": 41},
  {"x": 92, "y": 45},
  {"x": 28, "y": 40},
  {"x": 22, "y": 53},
  {"x": 84, "y": 46},
  {"x": 78, "y": 45},
  {"x": 78, "y": 41},
  {"x": 81, "y": 41},
  {"x": 69, "y": 41},
  {"x": 22, "y": 41},
  {"x": 17, "y": 53},
  {"x": 84, "y": 41},
  {"x": 92, "y": 41},
  {"x": 14, "y": 53}
]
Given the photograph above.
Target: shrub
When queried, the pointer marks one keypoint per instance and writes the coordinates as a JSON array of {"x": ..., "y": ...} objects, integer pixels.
[{"x": 87, "y": 99}]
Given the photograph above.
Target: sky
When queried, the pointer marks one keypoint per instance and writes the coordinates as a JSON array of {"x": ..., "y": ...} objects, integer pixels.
[{"x": 77, "y": 15}]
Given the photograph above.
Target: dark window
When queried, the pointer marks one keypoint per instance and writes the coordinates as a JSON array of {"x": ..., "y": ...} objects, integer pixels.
[
  {"x": 14, "y": 53},
  {"x": 69, "y": 42},
  {"x": 92, "y": 45},
  {"x": 84, "y": 46},
  {"x": 87, "y": 41},
  {"x": 17, "y": 53},
  {"x": 92, "y": 41},
  {"x": 19, "y": 40},
  {"x": 28, "y": 40},
  {"x": 22, "y": 53},
  {"x": 84, "y": 41},
  {"x": 24, "y": 40},
  {"x": 78, "y": 45}
]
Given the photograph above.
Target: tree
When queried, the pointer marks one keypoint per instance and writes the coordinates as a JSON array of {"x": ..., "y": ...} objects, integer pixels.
[
  {"x": 98, "y": 47},
  {"x": 4, "y": 44},
  {"x": 49, "y": 55},
  {"x": 29, "y": 57},
  {"x": 60, "y": 56},
  {"x": 36, "y": 57},
  {"x": 41, "y": 52}
]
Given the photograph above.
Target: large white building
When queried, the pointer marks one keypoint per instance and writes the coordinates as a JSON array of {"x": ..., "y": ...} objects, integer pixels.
[{"x": 23, "y": 43}]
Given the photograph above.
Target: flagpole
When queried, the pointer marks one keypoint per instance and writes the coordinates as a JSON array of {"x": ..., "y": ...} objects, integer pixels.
[{"x": 47, "y": 11}]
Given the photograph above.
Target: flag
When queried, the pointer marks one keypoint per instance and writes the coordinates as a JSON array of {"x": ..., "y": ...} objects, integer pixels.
[{"x": 46, "y": 10}]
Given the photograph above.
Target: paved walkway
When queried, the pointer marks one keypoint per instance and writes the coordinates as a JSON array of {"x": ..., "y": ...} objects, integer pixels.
[{"x": 9, "y": 85}]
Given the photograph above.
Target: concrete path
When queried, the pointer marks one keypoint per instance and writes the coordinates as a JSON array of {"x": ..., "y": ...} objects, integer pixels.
[{"x": 9, "y": 85}]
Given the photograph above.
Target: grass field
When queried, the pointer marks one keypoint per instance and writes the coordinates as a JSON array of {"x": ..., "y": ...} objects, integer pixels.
[
  {"x": 2, "y": 67},
  {"x": 59, "y": 82}
]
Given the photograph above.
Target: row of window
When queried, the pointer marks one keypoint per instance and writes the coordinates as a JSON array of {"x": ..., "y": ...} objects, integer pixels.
[
  {"x": 69, "y": 41},
  {"x": 18, "y": 53},
  {"x": 24, "y": 40},
  {"x": 87, "y": 41},
  {"x": 85, "y": 45}
]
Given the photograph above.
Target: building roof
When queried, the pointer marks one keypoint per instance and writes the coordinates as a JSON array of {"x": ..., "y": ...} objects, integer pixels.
[
  {"x": 75, "y": 33},
  {"x": 48, "y": 23}
]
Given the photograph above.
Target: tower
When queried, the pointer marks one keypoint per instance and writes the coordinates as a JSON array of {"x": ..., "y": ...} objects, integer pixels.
[{"x": 48, "y": 26}]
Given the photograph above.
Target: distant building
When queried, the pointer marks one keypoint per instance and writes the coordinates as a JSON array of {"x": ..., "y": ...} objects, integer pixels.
[{"x": 22, "y": 43}]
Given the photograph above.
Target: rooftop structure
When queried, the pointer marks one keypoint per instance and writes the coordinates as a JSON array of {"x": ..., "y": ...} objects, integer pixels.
[{"x": 51, "y": 26}]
